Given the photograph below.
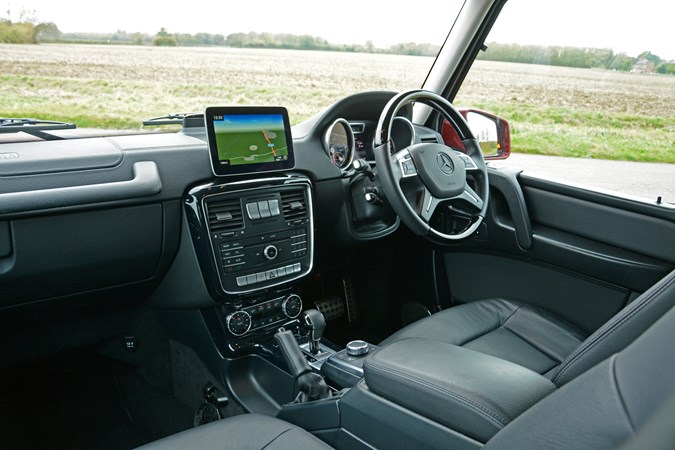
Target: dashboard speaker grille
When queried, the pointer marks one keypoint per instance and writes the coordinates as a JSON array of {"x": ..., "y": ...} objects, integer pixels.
[
  {"x": 224, "y": 215},
  {"x": 294, "y": 205}
]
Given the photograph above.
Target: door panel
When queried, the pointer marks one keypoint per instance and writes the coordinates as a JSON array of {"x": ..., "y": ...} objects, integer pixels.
[{"x": 590, "y": 253}]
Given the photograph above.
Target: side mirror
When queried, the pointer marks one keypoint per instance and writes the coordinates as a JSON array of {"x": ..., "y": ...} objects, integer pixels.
[{"x": 493, "y": 133}]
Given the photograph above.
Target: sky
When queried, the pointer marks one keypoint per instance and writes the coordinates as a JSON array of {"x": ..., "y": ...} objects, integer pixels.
[{"x": 628, "y": 26}]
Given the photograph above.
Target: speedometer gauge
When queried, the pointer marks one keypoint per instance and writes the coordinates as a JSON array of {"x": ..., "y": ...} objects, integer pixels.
[{"x": 339, "y": 143}]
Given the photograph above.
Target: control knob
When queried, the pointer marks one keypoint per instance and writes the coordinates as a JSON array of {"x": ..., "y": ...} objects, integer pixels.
[
  {"x": 292, "y": 306},
  {"x": 270, "y": 252},
  {"x": 357, "y": 348},
  {"x": 238, "y": 323}
]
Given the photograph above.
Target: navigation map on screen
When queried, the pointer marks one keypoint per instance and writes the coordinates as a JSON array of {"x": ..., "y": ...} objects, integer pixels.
[{"x": 250, "y": 138}]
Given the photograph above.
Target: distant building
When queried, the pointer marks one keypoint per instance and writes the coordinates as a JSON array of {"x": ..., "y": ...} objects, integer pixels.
[{"x": 643, "y": 65}]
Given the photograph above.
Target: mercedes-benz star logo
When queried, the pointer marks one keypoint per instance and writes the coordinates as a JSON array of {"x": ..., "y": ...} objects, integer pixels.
[{"x": 445, "y": 163}]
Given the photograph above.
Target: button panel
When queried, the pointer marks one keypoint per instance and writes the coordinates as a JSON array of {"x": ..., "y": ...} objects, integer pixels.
[
  {"x": 263, "y": 209},
  {"x": 271, "y": 248},
  {"x": 299, "y": 242},
  {"x": 260, "y": 277},
  {"x": 268, "y": 312}
]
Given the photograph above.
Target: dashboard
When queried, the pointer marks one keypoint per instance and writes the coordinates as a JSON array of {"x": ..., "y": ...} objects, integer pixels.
[
  {"x": 254, "y": 225},
  {"x": 184, "y": 236}
]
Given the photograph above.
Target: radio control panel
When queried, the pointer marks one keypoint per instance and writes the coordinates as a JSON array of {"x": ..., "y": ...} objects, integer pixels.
[{"x": 260, "y": 237}]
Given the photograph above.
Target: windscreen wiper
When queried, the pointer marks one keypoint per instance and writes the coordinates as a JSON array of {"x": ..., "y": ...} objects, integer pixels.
[
  {"x": 174, "y": 119},
  {"x": 35, "y": 127}
]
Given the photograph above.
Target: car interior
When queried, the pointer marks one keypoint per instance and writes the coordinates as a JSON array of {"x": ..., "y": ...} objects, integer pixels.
[{"x": 363, "y": 279}]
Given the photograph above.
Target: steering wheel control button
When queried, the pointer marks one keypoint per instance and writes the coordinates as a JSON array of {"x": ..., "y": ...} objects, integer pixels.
[
  {"x": 292, "y": 306},
  {"x": 357, "y": 348},
  {"x": 238, "y": 323},
  {"x": 468, "y": 162},
  {"x": 270, "y": 252},
  {"x": 253, "y": 211}
]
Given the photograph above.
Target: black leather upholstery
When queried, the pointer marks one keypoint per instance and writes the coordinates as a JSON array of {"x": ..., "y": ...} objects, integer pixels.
[
  {"x": 245, "y": 432},
  {"x": 625, "y": 395},
  {"x": 522, "y": 334},
  {"x": 628, "y": 400},
  {"x": 537, "y": 339},
  {"x": 467, "y": 391},
  {"x": 620, "y": 330}
]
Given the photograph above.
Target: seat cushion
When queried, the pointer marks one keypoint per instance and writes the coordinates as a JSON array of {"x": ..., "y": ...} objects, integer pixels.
[
  {"x": 521, "y": 334},
  {"x": 245, "y": 432}
]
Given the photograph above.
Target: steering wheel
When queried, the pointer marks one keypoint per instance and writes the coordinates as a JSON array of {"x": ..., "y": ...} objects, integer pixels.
[{"x": 424, "y": 177}]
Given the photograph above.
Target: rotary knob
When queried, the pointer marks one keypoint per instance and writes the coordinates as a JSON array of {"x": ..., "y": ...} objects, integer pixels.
[
  {"x": 270, "y": 252},
  {"x": 292, "y": 306},
  {"x": 357, "y": 348},
  {"x": 238, "y": 323}
]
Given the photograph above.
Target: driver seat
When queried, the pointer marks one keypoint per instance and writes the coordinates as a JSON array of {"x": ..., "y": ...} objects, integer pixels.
[{"x": 539, "y": 340}]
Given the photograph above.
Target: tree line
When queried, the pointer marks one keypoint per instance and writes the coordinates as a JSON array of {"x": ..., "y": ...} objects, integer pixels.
[
  {"x": 30, "y": 32},
  {"x": 588, "y": 58},
  {"x": 27, "y": 32}
]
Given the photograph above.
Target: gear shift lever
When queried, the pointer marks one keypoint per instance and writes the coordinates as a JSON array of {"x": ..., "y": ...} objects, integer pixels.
[
  {"x": 316, "y": 323},
  {"x": 311, "y": 385}
]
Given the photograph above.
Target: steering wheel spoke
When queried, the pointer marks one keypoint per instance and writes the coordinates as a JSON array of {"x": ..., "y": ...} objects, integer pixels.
[
  {"x": 428, "y": 205},
  {"x": 469, "y": 163},
  {"x": 470, "y": 196}
]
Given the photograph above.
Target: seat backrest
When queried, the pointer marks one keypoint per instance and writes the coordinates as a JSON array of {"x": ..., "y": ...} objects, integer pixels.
[
  {"x": 623, "y": 398},
  {"x": 620, "y": 330}
]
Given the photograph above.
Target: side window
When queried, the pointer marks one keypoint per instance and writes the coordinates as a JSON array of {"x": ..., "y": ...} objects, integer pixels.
[{"x": 588, "y": 89}]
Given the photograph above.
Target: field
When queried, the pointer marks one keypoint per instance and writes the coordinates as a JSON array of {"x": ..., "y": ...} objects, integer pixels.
[{"x": 557, "y": 111}]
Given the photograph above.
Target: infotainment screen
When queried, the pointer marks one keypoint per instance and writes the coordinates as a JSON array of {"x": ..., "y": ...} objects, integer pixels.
[{"x": 249, "y": 139}]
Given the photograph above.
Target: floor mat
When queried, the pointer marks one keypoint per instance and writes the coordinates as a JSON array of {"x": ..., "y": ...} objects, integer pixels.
[{"x": 84, "y": 401}]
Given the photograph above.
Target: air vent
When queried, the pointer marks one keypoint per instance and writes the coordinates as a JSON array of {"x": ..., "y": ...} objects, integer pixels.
[
  {"x": 357, "y": 127},
  {"x": 429, "y": 139},
  {"x": 294, "y": 205},
  {"x": 224, "y": 215}
]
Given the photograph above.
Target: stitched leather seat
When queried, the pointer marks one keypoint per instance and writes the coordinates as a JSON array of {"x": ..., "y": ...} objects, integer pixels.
[
  {"x": 627, "y": 400},
  {"x": 539, "y": 340},
  {"x": 245, "y": 432}
]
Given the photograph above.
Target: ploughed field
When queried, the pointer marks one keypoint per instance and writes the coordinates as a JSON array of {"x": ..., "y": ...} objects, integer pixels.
[{"x": 552, "y": 110}]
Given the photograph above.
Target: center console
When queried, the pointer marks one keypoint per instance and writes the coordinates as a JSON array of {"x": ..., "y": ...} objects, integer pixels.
[
  {"x": 252, "y": 229},
  {"x": 254, "y": 241}
]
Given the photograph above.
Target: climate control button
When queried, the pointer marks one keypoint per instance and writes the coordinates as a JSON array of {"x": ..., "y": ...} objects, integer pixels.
[
  {"x": 292, "y": 306},
  {"x": 238, "y": 323}
]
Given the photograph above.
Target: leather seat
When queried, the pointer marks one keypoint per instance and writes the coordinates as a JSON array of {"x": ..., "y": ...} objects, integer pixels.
[
  {"x": 244, "y": 432},
  {"x": 627, "y": 400},
  {"x": 536, "y": 339}
]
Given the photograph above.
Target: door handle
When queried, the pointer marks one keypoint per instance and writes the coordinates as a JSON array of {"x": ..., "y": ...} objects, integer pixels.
[{"x": 146, "y": 182}]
